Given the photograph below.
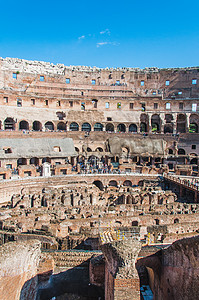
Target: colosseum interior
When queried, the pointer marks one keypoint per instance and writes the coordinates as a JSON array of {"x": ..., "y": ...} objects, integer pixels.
[{"x": 99, "y": 189}]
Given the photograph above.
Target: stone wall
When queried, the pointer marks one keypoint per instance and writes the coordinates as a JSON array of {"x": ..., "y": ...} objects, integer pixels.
[
  {"x": 18, "y": 270},
  {"x": 175, "y": 270}
]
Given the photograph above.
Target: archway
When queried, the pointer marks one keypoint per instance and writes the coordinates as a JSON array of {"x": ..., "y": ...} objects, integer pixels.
[
  {"x": 132, "y": 128},
  {"x": 156, "y": 123},
  {"x": 181, "y": 123},
  {"x": 23, "y": 125},
  {"x": 127, "y": 183},
  {"x": 49, "y": 125},
  {"x": 9, "y": 124},
  {"x": 121, "y": 128},
  {"x": 34, "y": 161},
  {"x": 143, "y": 127},
  {"x": 98, "y": 127},
  {"x": 109, "y": 127},
  {"x": 135, "y": 223},
  {"x": 193, "y": 128},
  {"x": 194, "y": 161},
  {"x": 61, "y": 126},
  {"x": 37, "y": 126},
  {"x": 21, "y": 161},
  {"x": 74, "y": 126},
  {"x": 99, "y": 184},
  {"x": 46, "y": 159},
  {"x": 113, "y": 183},
  {"x": 194, "y": 123},
  {"x": 86, "y": 127},
  {"x": 181, "y": 151},
  {"x": 99, "y": 149}
]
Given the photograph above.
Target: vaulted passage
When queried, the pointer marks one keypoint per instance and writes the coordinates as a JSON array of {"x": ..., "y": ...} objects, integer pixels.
[
  {"x": 74, "y": 126},
  {"x": 86, "y": 127},
  {"x": 37, "y": 126},
  {"x": 23, "y": 125},
  {"x": 9, "y": 124}
]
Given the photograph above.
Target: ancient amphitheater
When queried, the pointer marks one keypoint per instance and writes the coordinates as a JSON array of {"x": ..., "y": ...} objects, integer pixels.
[{"x": 99, "y": 189}]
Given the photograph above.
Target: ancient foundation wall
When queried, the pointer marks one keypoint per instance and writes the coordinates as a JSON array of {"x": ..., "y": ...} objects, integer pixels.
[
  {"x": 175, "y": 270},
  {"x": 18, "y": 270},
  {"x": 31, "y": 185}
]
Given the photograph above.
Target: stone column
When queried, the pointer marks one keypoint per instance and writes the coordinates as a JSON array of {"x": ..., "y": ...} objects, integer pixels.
[
  {"x": 121, "y": 277},
  {"x": 150, "y": 125},
  {"x": 174, "y": 123},
  {"x": 188, "y": 121}
]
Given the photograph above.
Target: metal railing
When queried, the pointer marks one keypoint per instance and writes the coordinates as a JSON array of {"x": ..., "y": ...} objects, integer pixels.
[{"x": 193, "y": 184}]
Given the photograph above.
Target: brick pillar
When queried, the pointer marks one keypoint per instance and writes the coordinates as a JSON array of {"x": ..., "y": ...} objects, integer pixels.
[
  {"x": 196, "y": 197},
  {"x": 122, "y": 280}
]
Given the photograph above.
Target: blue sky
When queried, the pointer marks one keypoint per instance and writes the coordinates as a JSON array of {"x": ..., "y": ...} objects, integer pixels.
[{"x": 102, "y": 33}]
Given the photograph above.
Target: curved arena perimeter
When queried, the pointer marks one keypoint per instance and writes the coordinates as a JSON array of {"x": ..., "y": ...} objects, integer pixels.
[{"x": 99, "y": 187}]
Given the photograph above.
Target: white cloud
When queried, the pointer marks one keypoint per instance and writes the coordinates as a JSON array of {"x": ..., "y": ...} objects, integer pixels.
[
  {"x": 81, "y": 37},
  {"x": 106, "y": 31},
  {"x": 102, "y": 44},
  {"x": 107, "y": 43}
]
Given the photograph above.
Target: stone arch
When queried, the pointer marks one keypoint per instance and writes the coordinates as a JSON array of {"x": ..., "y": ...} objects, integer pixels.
[
  {"x": 113, "y": 183},
  {"x": 134, "y": 223},
  {"x": 98, "y": 127},
  {"x": 99, "y": 184},
  {"x": 61, "y": 126},
  {"x": 157, "y": 221},
  {"x": 193, "y": 128},
  {"x": 23, "y": 125},
  {"x": 181, "y": 151},
  {"x": 143, "y": 127},
  {"x": 74, "y": 126},
  {"x": 133, "y": 128},
  {"x": 77, "y": 149},
  {"x": 99, "y": 149},
  {"x": 21, "y": 161},
  {"x": 46, "y": 159},
  {"x": 49, "y": 126},
  {"x": 121, "y": 127},
  {"x": 156, "y": 123},
  {"x": 86, "y": 127},
  {"x": 127, "y": 183},
  {"x": 176, "y": 221},
  {"x": 181, "y": 123},
  {"x": 34, "y": 161},
  {"x": 9, "y": 124},
  {"x": 37, "y": 126},
  {"x": 110, "y": 127},
  {"x": 194, "y": 123},
  {"x": 194, "y": 161}
]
